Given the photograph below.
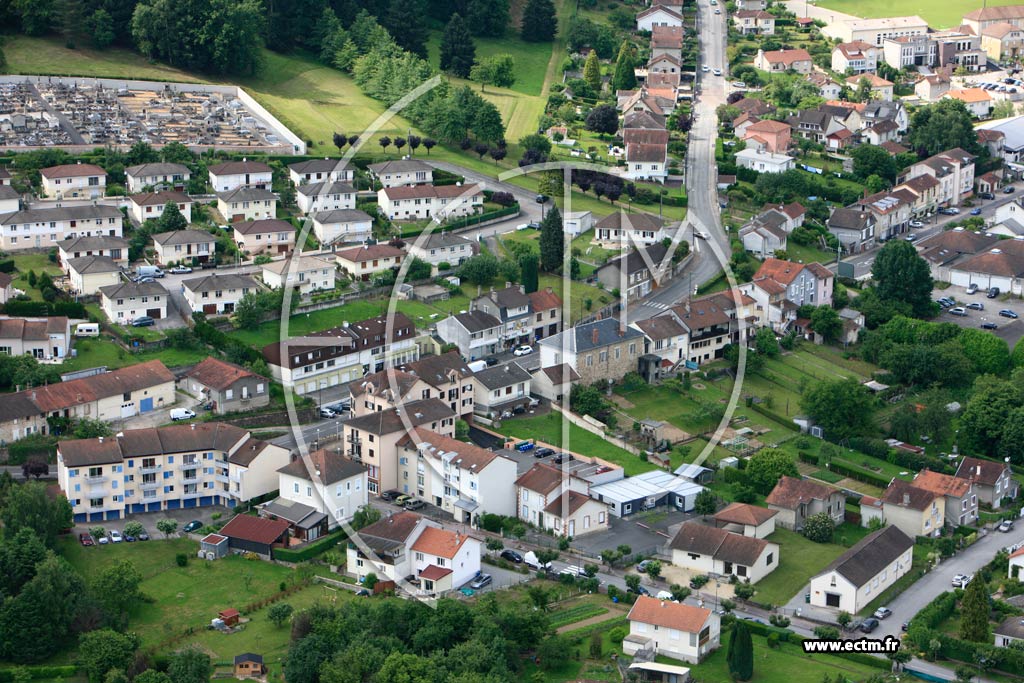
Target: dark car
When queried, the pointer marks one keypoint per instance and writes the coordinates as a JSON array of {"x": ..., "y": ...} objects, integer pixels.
[
  {"x": 542, "y": 198},
  {"x": 869, "y": 625},
  {"x": 512, "y": 556},
  {"x": 194, "y": 525},
  {"x": 986, "y": 195},
  {"x": 413, "y": 504},
  {"x": 128, "y": 538},
  {"x": 143, "y": 321},
  {"x": 390, "y": 496},
  {"x": 491, "y": 360},
  {"x": 975, "y": 212},
  {"x": 143, "y": 535},
  {"x": 543, "y": 452},
  {"x": 640, "y": 590},
  {"x": 1008, "y": 190},
  {"x": 976, "y": 306},
  {"x": 993, "y": 292},
  {"x": 989, "y": 326},
  {"x": 86, "y": 540},
  {"x": 1007, "y": 313}
]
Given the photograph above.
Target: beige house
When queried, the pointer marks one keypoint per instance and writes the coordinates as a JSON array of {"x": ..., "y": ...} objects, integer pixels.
[
  {"x": 320, "y": 170},
  {"x": 74, "y": 181},
  {"x": 317, "y": 493},
  {"x": 150, "y": 205},
  {"x": 230, "y": 387},
  {"x": 754, "y": 22},
  {"x": 561, "y": 505},
  {"x": 307, "y": 274},
  {"x": 881, "y": 89},
  {"x": 89, "y": 273},
  {"x": 265, "y": 236},
  {"x": 126, "y": 301},
  {"x": 1003, "y": 42},
  {"x": 217, "y": 294},
  {"x": 43, "y": 228},
  {"x": 46, "y": 339},
  {"x": 76, "y": 247},
  {"x": 363, "y": 262},
  {"x": 863, "y": 572},
  {"x": 373, "y": 439},
  {"x": 554, "y": 383},
  {"x": 797, "y": 499},
  {"x": 1016, "y": 569},
  {"x": 449, "y": 378},
  {"x": 915, "y": 511},
  {"x": 409, "y": 203},
  {"x": 234, "y": 174},
  {"x": 671, "y": 629},
  {"x": 343, "y": 226},
  {"x": 708, "y": 550},
  {"x": 247, "y": 204},
  {"x": 748, "y": 520},
  {"x": 402, "y": 172},
  {"x": 184, "y": 246},
  {"x": 959, "y": 495},
  {"x": 385, "y": 390},
  {"x": 325, "y": 196},
  {"x": 778, "y": 61},
  {"x": 157, "y": 176}
]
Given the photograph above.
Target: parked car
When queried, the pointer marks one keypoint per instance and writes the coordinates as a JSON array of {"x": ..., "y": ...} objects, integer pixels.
[
  {"x": 868, "y": 625},
  {"x": 491, "y": 361},
  {"x": 403, "y": 499},
  {"x": 1007, "y": 313},
  {"x": 522, "y": 350},
  {"x": 959, "y": 311},
  {"x": 739, "y": 85},
  {"x": 182, "y": 414},
  {"x": 961, "y": 580},
  {"x": 128, "y": 538},
  {"x": 85, "y": 540},
  {"x": 363, "y": 593},
  {"x": 975, "y": 212},
  {"x": 104, "y": 539},
  {"x": 511, "y": 556},
  {"x": 143, "y": 535},
  {"x": 194, "y": 525},
  {"x": 986, "y": 195},
  {"x": 993, "y": 292},
  {"x": 143, "y": 321},
  {"x": 717, "y": 72},
  {"x": 972, "y": 288},
  {"x": 115, "y": 536},
  {"x": 1006, "y": 526},
  {"x": 180, "y": 270},
  {"x": 414, "y": 504},
  {"x": 718, "y": 11},
  {"x": 642, "y": 567},
  {"x": 882, "y": 613},
  {"x": 989, "y": 326},
  {"x": 640, "y": 590},
  {"x": 917, "y": 224},
  {"x": 705, "y": 68},
  {"x": 328, "y": 413},
  {"x": 543, "y": 452},
  {"x": 481, "y": 581},
  {"x": 976, "y": 306},
  {"x": 1008, "y": 189},
  {"x": 390, "y": 496}
]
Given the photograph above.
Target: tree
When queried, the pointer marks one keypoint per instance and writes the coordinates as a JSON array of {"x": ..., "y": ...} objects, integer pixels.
[
  {"x": 34, "y": 467},
  {"x": 539, "y": 596},
  {"x": 133, "y": 529},
  {"x": 35, "y": 621},
  {"x": 414, "y": 143},
  {"x": 653, "y": 569},
  {"x": 172, "y": 219},
  {"x": 988, "y": 353},
  {"x": 899, "y": 658},
  {"x": 191, "y": 665},
  {"x": 384, "y": 141},
  {"x": 870, "y": 160},
  {"x": 495, "y": 545},
  {"x": 152, "y": 676},
  {"x": 819, "y": 528},
  {"x": 633, "y": 582},
  {"x": 941, "y": 126},
  {"x": 624, "y": 77},
  {"x": 36, "y": 15},
  {"x": 497, "y": 70},
  {"x": 603, "y": 119},
  {"x": 30, "y": 507},
  {"x": 765, "y": 343},
  {"x": 365, "y": 516},
  {"x": 540, "y": 23},
  {"x": 844, "y": 618},
  {"x": 592, "y": 72},
  {"x": 529, "y": 266},
  {"x": 842, "y": 407},
  {"x": 480, "y": 269},
  {"x": 1003, "y": 109},
  {"x": 481, "y": 149},
  {"x": 399, "y": 144},
  {"x": 167, "y": 527},
  {"x": 101, "y": 29},
  {"x": 279, "y": 613},
  {"x": 340, "y": 140},
  {"x": 826, "y": 323},
  {"x": 429, "y": 144},
  {"x": 767, "y": 466},
  {"x": 740, "y": 656},
  {"x": 553, "y": 652},
  {"x": 974, "y": 613},
  {"x": 964, "y": 673},
  {"x": 744, "y": 591},
  {"x": 19, "y": 556},
  {"x": 498, "y": 153},
  {"x": 705, "y": 503},
  {"x": 458, "y": 52},
  {"x": 902, "y": 275},
  {"x": 88, "y": 428},
  {"x": 487, "y": 17},
  {"x": 102, "y": 650},
  {"x": 552, "y": 241},
  {"x": 117, "y": 589}
]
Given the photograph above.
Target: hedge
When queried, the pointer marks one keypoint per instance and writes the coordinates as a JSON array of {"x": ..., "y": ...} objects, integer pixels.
[
  {"x": 309, "y": 551},
  {"x": 7, "y": 266},
  {"x": 480, "y": 218},
  {"x": 40, "y": 672},
  {"x": 858, "y": 475},
  {"x": 35, "y": 445},
  {"x": 809, "y": 458},
  {"x": 71, "y": 309}
]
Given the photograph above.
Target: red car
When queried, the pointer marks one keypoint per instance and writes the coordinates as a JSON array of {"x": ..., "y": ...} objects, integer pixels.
[{"x": 86, "y": 540}]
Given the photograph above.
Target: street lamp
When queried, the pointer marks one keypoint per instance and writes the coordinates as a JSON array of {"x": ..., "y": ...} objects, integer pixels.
[{"x": 318, "y": 437}]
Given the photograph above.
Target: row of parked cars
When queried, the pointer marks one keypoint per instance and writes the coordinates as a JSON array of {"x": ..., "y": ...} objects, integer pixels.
[
  {"x": 403, "y": 499},
  {"x": 115, "y": 536}
]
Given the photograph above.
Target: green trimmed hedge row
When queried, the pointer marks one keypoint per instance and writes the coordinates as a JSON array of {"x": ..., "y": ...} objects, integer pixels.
[
  {"x": 310, "y": 551},
  {"x": 858, "y": 475},
  {"x": 41, "y": 672}
]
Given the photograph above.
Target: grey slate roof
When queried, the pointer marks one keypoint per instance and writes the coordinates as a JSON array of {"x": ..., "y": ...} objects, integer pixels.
[
  {"x": 477, "y": 321},
  {"x": 341, "y": 216},
  {"x": 214, "y": 282},
  {"x": 246, "y": 194},
  {"x": 581, "y": 338},
  {"x": 635, "y": 262},
  {"x": 870, "y": 555},
  {"x": 105, "y": 242},
  {"x": 502, "y": 375},
  {"x": 93, "y": 264},
  {"x": 127, "y": 290},
  {"x": 399, "y": 166},
  {"x": 63, "y": 213},
  {"x": 183, "y": 237},
  {"x": 318, "y": 166},
  {"x": 141, "y": 170},
  {"x": 330, "y": 187}
]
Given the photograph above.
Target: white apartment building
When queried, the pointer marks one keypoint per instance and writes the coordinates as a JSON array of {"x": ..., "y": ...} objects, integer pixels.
[
  {"x": 74, "y": 181},
  {"x": 234, "y": 174},
  {"x": 320, "y": 170},
  {"x": 318, "y": 493},
  {"x": 427, "y": 201},
  {"x": 217, "y": 294},
  {"x": 325, "y": 196},
  {"x": 45, "y": 228},
  {"x": 402, "y": 172},
  {"x": 342, "y": 226},
  {"x": 126, "y": 301}
]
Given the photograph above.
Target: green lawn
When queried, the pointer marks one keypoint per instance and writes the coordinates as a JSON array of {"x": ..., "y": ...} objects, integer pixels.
[
  {"x": 531, "y": 60},
  {"x": 92, "y": 353},
  {"x": 786, "y": 664},
  {"x": 548, "y": 428},
  {"x": 799, "y": 560},
  {"x": 40, "y": 263},
  {"x": 945, "y": 14},
  {"x": 188, "y": 597}
]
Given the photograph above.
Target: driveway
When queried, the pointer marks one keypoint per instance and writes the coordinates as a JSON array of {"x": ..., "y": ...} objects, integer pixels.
[
  {"x": 160, "y": 416},
  {"x": 646, "y": 535},
  {"x": 1009, "y": 329},
  {"x": 149, "y": 519}
]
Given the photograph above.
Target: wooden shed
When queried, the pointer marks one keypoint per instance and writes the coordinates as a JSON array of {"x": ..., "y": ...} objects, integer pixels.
[{"x": 229, "y": 616}]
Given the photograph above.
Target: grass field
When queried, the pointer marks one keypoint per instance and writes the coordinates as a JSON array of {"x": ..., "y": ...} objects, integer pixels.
[
  {"x": 183, "y": 597},
  {"x": 92, "y": 353},
  {"x": 945, "y": 14},
  {"x": 799, "y": 560},
  {"x": 39, "y": 263}
]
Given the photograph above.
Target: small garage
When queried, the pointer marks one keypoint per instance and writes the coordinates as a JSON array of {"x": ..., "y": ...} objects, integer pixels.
[
  {"x": 154, "y": 313},
  {"x": 647, "y": 491}
]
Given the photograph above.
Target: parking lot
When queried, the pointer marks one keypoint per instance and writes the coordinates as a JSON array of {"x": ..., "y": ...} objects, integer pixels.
[{"x": 1007, "y": 328}]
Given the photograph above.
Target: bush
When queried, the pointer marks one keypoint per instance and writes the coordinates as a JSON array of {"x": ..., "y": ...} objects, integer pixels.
[
  {"x": 809, "y": 458},
  {"x": 181, "y": 559}
]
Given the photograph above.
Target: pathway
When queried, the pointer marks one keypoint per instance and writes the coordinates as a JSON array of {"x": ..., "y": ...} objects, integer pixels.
[{"x": 592, "y": 620}]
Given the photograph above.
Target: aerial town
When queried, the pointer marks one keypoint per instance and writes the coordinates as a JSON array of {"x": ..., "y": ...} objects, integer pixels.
[{"x": 640, "y": 341}]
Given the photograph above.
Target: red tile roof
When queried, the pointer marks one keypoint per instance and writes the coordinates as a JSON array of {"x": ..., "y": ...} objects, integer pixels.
[
  {"x": 219, "y": 374},
  {"x": 434, "y": 573},
  {"x": 790, "y": 492},
  {"x": 72, "y": 171},
  {"x": 254, "y": 529},
  {"x": 439, "y": 542},
  {"x": 685, "y": 618}
]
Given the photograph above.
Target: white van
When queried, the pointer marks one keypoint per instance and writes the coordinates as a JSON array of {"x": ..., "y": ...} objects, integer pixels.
[
  {"x": 148, "y": 271},
  {"x": 87, "y": 330},
  {"x": 181, "y": 414},
  {"x": 533, "y": 563}
]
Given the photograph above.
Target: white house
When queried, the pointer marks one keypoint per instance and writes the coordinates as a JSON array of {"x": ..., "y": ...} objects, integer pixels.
[
  {"x": 708, "y": 550},
  {"x": 444, "y": 560},
  {"x": 217, "y": 294},
  {"x": 44, "y": 228},
  {"x": 442, "y": 247},
  {"x": 147, "y": 205},
  {"x": 114, "y": 247},
  {"x": 764, "y": 162},
  {"x": 745, "y": 519},
  {"x": 364, "y": 261},
  {"x": 42, "y": 338},
  {"x": 325, "y": 196},
  {"x": 157, "y": 176},
  {"x": 429, "y": 201},
  {"x": 342, "y": 226},
  {"x": 267, "y": 236},
  {"x": 1017, "y": 564},
  {"x": 646, "y": 161},
  {"x": 576, "y": 223},
  {"x": 561, "y": 505},
  {"x": 318, "y": 492},
  {"x": 126, "y": 301},
  {"x": 181, "y": 246},
  {"x": 247, "y": 204},
  {"x": 671, "y": 629},
  {"x": 863, "y": 572},
  {"x": 306, "y": 273},
  {"x": 320, "y": 170},
  {"x": 89, "y": 273},
  {"x": 74, "y": 181},
  {"x": 234, "y": 174},
  {"x": 402, "y": 172},
  {"x": 977, "y": 100},
  {"x": 658, "y": 15}
]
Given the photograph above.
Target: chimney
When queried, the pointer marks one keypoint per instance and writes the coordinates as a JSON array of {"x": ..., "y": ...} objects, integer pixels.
[
  {"x": 193, "y": 425},
  {"x": 593, "y": 336},
  {"x": 507, "y": 284},
  {"x": 101, "y": 439},
  {"x": 979, "y": 470},
  {"x": 522, "y": 289},
  {"x": 906, "y": 499},
  {"x": 549, "y": 290}
]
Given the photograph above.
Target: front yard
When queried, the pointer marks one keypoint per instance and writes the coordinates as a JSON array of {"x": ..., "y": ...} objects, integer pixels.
[{"x": 799, "y": 560}]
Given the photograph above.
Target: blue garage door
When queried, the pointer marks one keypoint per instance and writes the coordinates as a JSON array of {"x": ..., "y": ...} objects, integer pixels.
[
  {"x": 113, "y": 514},
  {"x": 153, "y": 507},
  {"x": 146, "y": 405},
  {"x": 173, "y": 504},
  {"x": 206, "y": 500},
  {"x": 138, "y": 507},
  {"x": 79, "y": 518},
  {"x": 232, "y": 502},
  {"x": 96, "y": 517},
  {"x": 190, "y": 502}
]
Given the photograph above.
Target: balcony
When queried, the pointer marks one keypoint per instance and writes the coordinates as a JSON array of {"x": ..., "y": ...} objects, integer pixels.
[
  {"x": 98, "y": 492},
  {"x": 189, "y": 465},
  {"x": 354, "y": 439},
  {"x": 98, "y": 479},
  {"x": 149, "y": 485},
  {"x": 149, "y": 470},
  {"x": 190, "y": 496},
  {"x": 223, "y": 464},
  {"x": 222, "y": 478},
  {"x": 190, "y": 480}
]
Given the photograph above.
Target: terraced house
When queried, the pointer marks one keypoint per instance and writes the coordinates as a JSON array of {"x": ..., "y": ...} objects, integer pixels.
[
  {"x": 43, "y": 228},
  {"x": 166, "y": 468}
]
